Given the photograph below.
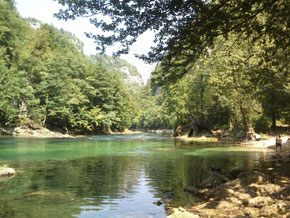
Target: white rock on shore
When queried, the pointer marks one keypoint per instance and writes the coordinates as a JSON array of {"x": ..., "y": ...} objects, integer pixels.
[
  {"x": 27, "y": 132},
  {"x": 7, "y": 172}
]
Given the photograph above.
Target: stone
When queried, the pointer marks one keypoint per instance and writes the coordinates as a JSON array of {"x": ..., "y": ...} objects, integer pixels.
[
  {"x": 220, "y": 192},
  {"x": 241, "y": 134},
  {"x": 252, "y": 212},
  {"x": 7, "y": 172},
  {"x": 235, "y": 201},
  {"x": 258, "y": 137},
  {"x": 225, "y": 204},
  {"x": 214, "y": 181},
  {"x": 181, "y": 213},
  {"x": 271, "y": 188},
  {"x": 5, "y": 131},
  {"x": 225, "y": 134},
  {"x": 269, "y": 211},
  {"x": 260, "y": 201},
  {"x": 158, "y": 203},
  {"x": 254, "y": 177}
]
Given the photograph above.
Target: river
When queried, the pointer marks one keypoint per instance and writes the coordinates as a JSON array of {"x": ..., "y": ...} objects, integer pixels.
[{"x": 109, "y": 176}]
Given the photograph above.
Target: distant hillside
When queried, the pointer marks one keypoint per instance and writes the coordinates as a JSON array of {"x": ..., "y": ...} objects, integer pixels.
[
  {"x": 127, "y": 72},
  {"x": 36, "y": 24}
]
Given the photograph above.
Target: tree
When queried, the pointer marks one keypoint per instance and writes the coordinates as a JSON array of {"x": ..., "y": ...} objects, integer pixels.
[
  {"x": 184, "y": 29},
  {"x": 46, "y": 81}
]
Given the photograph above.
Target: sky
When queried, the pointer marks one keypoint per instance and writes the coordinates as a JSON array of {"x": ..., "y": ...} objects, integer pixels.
[{"x": 43, "y": 10}]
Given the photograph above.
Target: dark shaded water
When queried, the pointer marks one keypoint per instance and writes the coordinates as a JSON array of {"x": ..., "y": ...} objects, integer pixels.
[{"x": 108, "y": 176}]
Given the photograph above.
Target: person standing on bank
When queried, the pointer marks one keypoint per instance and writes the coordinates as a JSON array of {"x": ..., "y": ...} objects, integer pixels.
[{"x": 278, "y": 143}]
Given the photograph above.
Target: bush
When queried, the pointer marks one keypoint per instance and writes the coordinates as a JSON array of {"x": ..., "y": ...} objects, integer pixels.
[{"x": 262, "y": 124}]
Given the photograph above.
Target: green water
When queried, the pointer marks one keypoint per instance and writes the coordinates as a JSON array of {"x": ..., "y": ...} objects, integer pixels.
[{"x": 108, "y": 176}]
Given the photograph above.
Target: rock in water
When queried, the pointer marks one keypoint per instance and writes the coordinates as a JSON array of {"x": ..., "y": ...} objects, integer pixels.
[{"x": 7, "y": 172}]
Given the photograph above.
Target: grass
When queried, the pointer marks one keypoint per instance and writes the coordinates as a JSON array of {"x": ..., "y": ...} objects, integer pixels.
[
  {"x": 200, "y": 139},
  {"x": 3, "y": 166}
]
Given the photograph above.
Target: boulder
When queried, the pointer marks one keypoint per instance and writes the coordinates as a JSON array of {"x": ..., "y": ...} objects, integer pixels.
[
  {"x": 254, "y": 177},
  {"x": 7, "y": 172},
  {"x": 251, "y": 212},
  {"x": 271, "y": 188},
  {"x": 193, "y": 129},
  {"x": 258, "y": 137},
  {"x": 181, "y": 213},
  {"x": 260, "y": 202},
  {"x": 5, "y": 131},
  {"x": 207, "y": 133},
  {"x": 241, "y": 134},
  {"x": 269, "y": 211},
  {"x": 225, "y": 134},
  {"x": 214, "y": 181},
  {"x": 225, "y": 204}
]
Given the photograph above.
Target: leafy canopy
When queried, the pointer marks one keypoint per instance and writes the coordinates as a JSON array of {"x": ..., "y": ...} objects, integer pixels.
[{"x": 184, "y": 28}]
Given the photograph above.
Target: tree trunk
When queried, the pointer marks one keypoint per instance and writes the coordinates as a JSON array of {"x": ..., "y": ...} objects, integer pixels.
[
  {"x": 245, "y": 113},
  {"x": 273, "y": 119},
  {"x": 230, "y": 122},
  {"x": 201, "y": 99},
  {"x": 247, "y": 123}
]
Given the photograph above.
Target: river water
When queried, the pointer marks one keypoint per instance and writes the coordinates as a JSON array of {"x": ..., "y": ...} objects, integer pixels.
[{"x": 109, "y": 176}]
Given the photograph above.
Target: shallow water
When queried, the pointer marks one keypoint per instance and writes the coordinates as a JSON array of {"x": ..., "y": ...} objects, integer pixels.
[{"x": 109, "y": 176}]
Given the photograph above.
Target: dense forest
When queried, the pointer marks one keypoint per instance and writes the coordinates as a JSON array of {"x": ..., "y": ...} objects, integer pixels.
[
  {"x": 239, "y": 82},
  {"x": 46, "y": 81}
]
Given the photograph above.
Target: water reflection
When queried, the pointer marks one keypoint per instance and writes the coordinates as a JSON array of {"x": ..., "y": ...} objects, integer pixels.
[{"x": 98, "y": 177}]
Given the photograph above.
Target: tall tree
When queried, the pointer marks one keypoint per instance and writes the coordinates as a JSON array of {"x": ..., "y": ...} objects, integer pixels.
[{"x": 184, "y": 29}]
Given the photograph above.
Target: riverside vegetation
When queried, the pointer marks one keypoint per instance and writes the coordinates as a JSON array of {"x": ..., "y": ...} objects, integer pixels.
[
  {"x": 229, "y": 72},
  {"x": 47, "y": 82}
]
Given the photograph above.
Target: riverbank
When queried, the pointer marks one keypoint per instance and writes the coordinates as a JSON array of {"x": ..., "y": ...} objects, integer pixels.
[
  {"x": 263, "y": 143},
  {"x": 255, "y": 193},
  {"x": 24, "y": 132}
]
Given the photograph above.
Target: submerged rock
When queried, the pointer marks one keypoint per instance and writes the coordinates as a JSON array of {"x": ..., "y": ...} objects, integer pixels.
[{"x": 158, "y": 203}]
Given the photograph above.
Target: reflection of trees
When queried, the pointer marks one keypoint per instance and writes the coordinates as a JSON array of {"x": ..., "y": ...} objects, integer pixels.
[
  {"x": 90, "y": 177},
  {"x": 172, "y": 174},
  {"x": 62, "y": 187}
]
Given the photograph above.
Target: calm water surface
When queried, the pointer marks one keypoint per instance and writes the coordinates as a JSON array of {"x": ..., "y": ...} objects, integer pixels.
[{"x": 109, "y": 176}]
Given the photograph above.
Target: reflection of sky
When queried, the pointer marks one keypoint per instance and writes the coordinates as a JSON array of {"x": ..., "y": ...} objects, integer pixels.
[
  {"x": 136, "y": 204},
  {"x": 120, "y": 177}
]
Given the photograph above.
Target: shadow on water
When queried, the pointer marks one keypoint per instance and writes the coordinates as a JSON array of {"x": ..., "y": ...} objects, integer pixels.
[{"x": 107, "y": 176}]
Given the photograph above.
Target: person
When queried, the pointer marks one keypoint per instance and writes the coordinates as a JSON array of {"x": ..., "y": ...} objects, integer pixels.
[{"x": 278, "y": 143}]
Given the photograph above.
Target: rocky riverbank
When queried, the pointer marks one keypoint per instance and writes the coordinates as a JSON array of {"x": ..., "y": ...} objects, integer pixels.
[
  {"x": 239, "y": 193},
  {"x": 6, "y": 172},
  {"x": 26, "y": 132}
]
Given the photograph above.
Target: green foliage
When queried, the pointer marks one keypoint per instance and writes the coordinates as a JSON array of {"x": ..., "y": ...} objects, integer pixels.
[
  {"x": 153, "y": 114},
  {"x": 183, "y": 29},
  {"x": 241, "y": 80},
  {"x": 232, "y": 84},
  {"x": 262, "y": 124},
  {"x": 127, "y": 72},
  {"x": 46, "y": 80}
]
